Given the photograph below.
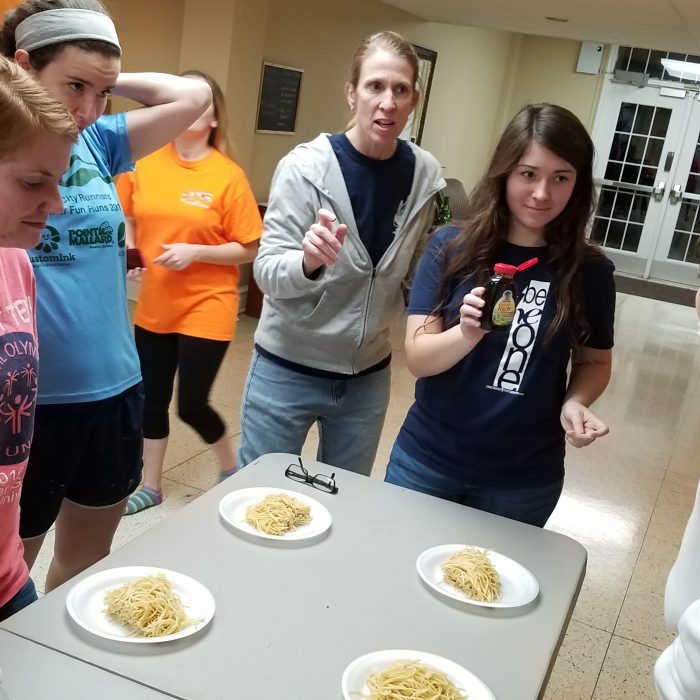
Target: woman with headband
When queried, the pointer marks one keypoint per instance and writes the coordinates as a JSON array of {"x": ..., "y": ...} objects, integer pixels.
[
  {"x": 86, "y": 458},
  {"x": 35, "y": 145}
]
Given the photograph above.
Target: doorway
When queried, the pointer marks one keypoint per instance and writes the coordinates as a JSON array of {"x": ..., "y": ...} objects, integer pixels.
[{"x": 648, "y": 175}]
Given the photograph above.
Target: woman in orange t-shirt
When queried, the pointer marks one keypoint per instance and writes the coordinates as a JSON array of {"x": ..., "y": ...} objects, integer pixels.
[{"x": 195, "y": 220}]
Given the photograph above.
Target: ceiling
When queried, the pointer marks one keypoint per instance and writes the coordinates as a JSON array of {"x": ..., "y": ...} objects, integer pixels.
[{"x": 654, "y": 24}]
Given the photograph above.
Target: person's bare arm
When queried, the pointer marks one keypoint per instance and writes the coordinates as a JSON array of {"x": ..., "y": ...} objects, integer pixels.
[{"x": 171, "y": 104}]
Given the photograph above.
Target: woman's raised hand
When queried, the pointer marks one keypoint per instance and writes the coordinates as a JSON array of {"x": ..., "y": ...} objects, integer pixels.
[{"x": 321, "y": 244}]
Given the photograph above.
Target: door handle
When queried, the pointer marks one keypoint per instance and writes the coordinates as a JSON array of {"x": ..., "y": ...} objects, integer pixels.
[
  {"x": 676, "y": 193},
  {"x": 659, "y": 190}
]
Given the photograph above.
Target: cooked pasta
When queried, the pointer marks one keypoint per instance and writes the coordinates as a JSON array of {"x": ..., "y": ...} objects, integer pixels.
[
  {"x": 470, "y": 571},
  {"x": 277, "y": 514},
  {"x": 411, "y": 679},
  {"x": 148, "y": 606}
]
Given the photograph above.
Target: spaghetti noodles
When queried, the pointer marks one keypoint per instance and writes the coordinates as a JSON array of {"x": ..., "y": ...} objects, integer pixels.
[
  {"x": 411, "y": 679},
  {"x": 278, "y": 514},
  {"x": 470, "y": 571},
  {"x": 148, "y": 606}
]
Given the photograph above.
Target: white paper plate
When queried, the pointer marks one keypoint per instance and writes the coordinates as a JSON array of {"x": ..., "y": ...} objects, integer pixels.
[
  {"x": 233, "y": 506},
  {"x": 518, "y": 585},
  {"x": 354, "y": 680},
  {"x": 85, "y": 603}
]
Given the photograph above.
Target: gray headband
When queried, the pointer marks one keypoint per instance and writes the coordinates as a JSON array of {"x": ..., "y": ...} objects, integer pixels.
[{"x": 67, "y": 24}]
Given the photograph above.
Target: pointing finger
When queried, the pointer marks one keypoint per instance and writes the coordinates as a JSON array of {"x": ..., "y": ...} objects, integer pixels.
[{"x": 326, "y": 218}]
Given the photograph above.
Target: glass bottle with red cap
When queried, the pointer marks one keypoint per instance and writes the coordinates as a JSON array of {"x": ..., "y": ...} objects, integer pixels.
[{"x": 501, "y": 295}]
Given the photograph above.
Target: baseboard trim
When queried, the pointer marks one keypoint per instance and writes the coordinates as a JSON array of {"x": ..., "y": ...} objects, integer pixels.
[{"x": 652, "y": 289}]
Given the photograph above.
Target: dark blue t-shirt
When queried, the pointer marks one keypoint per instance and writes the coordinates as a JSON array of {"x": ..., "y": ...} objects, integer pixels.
[
  {"x": 493, "y": 418},
  {"x": 378, "y": 191}
]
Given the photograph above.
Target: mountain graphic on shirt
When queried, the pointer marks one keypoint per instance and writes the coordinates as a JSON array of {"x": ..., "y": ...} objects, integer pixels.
[{"x": 80, "y": 172}]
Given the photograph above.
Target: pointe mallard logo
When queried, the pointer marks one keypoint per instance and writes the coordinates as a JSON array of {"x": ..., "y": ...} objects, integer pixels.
[
  {"x": 93, "y": 236},
  {"x": 49, "y": 241}
]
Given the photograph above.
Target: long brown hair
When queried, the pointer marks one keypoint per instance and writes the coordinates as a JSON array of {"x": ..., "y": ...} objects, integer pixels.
[
  {"x": 218, "y": 137},
  {"x": 475, "y": 249},
  {"x": 41, "y": 57}
]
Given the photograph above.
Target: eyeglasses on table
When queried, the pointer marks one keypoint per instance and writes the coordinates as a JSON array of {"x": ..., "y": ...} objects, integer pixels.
[{"x": 322, "y": 482}]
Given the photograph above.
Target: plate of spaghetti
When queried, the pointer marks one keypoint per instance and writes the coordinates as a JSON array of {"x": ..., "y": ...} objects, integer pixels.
[
  {"x": 477, "y": 576},
  {"x": 275, "y": 514},
  {"x": 400, "y": 674},
  {"x": 140, "y": 604}
]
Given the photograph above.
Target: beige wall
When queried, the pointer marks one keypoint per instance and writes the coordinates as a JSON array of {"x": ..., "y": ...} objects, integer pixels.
[
  {"x": 465, "y": 96},
  {"x": 482, "y": 76},
  {"x": 206, "y": 36},
  {"x": 151, "y": 36},
  {"x": 242, "y": 88},
  {"x": 545, "y": 71},
  {"x": 324, "y": 37}
]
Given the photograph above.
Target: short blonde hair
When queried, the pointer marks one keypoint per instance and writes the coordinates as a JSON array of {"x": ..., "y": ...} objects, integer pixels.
[{"x": 27, "y": 110}]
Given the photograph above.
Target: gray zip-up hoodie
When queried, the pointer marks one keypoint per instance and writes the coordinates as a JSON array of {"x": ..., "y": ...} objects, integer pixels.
[{"x": 339, "y": 321}]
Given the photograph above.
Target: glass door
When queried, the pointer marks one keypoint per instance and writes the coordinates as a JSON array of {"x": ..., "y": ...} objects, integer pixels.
[
  {"x": 638, "y": 135},
  {"x": 677, "y": 253},
  {"x": 648, "y": 170}
]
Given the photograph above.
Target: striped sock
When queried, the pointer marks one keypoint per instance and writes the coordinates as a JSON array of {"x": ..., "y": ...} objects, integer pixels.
[{"x": 142, "y": 499}]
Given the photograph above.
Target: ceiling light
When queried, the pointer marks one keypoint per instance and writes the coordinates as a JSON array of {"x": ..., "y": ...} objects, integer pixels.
[{"x": 685, "y": 70}]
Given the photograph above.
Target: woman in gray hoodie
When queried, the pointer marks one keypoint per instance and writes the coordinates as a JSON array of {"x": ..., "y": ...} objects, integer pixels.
[{"x": 346, "y": 214}]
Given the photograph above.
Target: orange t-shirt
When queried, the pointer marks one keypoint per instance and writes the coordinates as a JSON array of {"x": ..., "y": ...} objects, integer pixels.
[{"x": 208, "y": 202}]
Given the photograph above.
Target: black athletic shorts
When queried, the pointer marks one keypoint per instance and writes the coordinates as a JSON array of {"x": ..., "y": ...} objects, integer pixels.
[{"x": 90, "y": 453}]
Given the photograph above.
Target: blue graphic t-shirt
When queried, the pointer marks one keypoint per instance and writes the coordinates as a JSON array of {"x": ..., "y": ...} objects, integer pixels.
[
  {"x": 493, "y": 418},
  {"x": 378, "y": 190},
  {"x": 87, "y": 349}
]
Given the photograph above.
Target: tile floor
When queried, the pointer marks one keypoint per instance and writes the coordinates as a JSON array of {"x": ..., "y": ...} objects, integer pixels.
[{"x": 626, "y": 499}]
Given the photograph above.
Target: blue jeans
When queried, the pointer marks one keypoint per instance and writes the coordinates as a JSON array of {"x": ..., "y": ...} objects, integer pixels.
[
  {"x": 280, "y": 406},
  {"x": 23, "y": 597},
  {"x": 532, "y": 505}
]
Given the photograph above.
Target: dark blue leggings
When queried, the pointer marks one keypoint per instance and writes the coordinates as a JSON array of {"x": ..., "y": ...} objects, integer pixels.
[{"x": 197, "y": 360}]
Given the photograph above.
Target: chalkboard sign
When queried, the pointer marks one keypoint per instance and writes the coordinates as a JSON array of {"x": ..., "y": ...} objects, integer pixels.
[{"x": 279, "y": 99}]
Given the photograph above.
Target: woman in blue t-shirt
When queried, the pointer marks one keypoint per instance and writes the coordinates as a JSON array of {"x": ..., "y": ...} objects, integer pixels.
[
  {"x": 493, "y": 409},
  {"x": 86, "y": 455}
]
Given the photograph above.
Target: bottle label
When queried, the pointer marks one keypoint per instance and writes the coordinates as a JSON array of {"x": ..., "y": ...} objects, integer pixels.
[{"x": 504, "y": 309}]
